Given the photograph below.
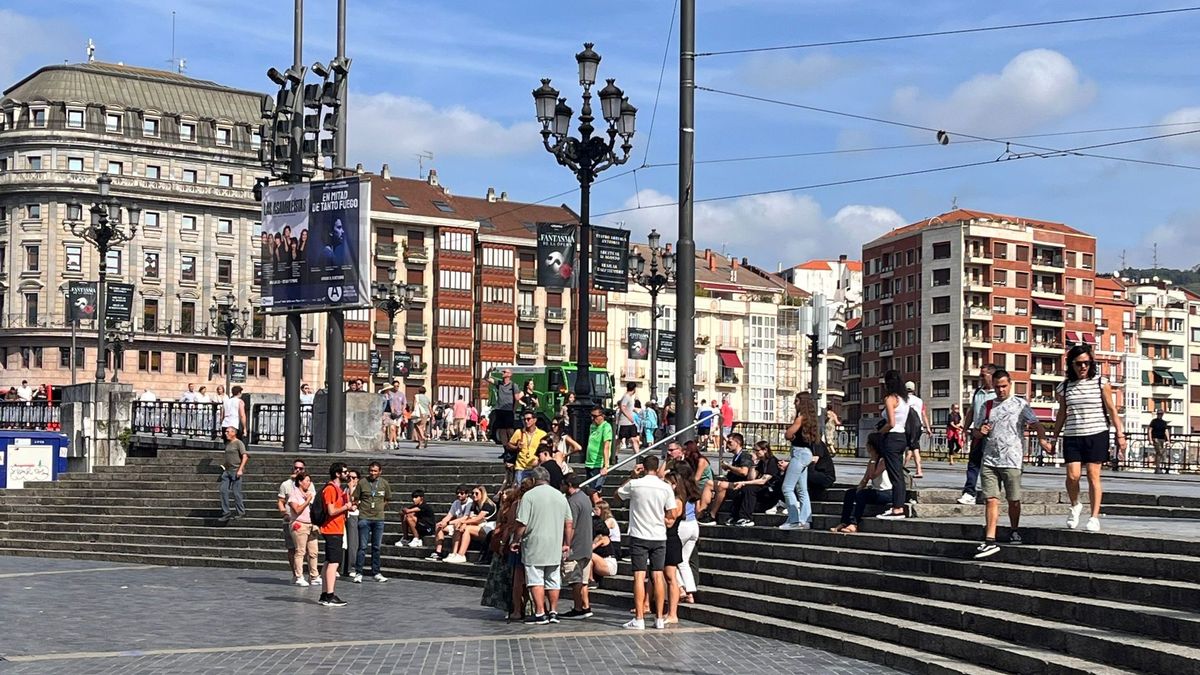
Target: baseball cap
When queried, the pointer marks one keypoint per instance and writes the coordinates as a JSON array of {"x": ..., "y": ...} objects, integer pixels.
[{"x": 910, "y": 386}]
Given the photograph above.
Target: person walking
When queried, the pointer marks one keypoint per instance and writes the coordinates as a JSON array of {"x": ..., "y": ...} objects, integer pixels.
[
  {"x": 304, "y": 535},
  {"x": 954, "y": 434},
  {"x": 627, "y": 421},
  {"x": 285, "y": 490},
  {"x": 422, "y": 412},
  {"x": 1006, "y": 418},
  {"x": 914, "y": 439},
  {"x": 649, "y": 423},
  {"x": 461, "y": 416},
  {"x": 1160, "y": 437},
  {"x": 577, "y": 568},
  {"x": 651, "y": 503},
  {"x": 599, "y": 448},
  {"x": 726, "y": 417},
  {"x": 1085, "y": 412},
  {"x": 802, "y": 433},
  {"x": 336, "y": 504},
  {"x": 971, "y": 423},
  {"x": 543, "y": 536},
  {"x": 372, "y": 496},
  {"x": 233, "y": 412},
  {"x": 832, "y": 422},
  {"x": 234, "y": 465},
  {"x": 895, "y": 440},
  {"x": 502, "y": 420},
  {"x": 395, "y": 401}
]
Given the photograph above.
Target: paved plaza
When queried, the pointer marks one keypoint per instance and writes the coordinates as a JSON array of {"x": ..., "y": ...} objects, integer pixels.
[{"x": 94, "y": 617}]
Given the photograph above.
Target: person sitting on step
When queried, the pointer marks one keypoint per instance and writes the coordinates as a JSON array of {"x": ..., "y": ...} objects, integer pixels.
[
  {"x": 762, "y": 489},
  {"x": 475, "y": 527},
  {"x": 460, "y": 510},
  {"x": 874, "y": 488}
]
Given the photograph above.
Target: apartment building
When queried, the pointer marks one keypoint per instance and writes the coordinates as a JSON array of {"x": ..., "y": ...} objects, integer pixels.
[
  {"x": 1117, "y": 349},
  {"x": 945, "y": 295},
  {"x": 186, "y": 151},
  {"x": 852, "y": 372},
  {"x": 840, "y": 281},
  {"x": 1165, "y": 320}
]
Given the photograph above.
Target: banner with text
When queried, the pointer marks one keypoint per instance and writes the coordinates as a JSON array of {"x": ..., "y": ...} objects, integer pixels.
[
  {"x": 118, "y": 302},
  {"x": 81, "y": 300},
  {"x": 665, "y": 349},
  {"x": 402, "y": 362},
  {"x": 556, "y": 255},
  {"x": 610, "y": 267},
  {"x": 639, "y": 344},
  {"x": 314, "y": 246}
]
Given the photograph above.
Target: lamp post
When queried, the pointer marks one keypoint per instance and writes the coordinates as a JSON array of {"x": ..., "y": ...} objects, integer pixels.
[
  {"x": 119, "y": 337},
  {"x": 104, "y": 232},
  {"x": 586, "y": 156},
  {"x": 654, "y": 281},
  {"x": 392, "y": 298},
  {"x": 224, "y": 319}
]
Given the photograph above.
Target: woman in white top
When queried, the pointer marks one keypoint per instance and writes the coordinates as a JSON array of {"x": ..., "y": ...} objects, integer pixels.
[
  {"x": 874, "y": 488},
  {"x": 304, "y": 533},
  {"x": 564, "y": 445},
  {"x": 895, "y": 441},
  {"x": 422, "y": 411},
  {"x": 1085, "y": 412}
]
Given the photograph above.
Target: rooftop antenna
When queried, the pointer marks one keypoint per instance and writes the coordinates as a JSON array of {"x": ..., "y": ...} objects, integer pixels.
[
  {"x": 1124, "y": 266},
  {"x": 421, "y": 157},
  {"x": 91, "y": 51},
  {"x": 180, "y": 64},
  {"x": 1155, "y": 255},
  {"x": 954, "y": 203}
]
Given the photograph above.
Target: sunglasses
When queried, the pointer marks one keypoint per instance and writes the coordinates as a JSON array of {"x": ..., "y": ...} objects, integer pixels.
[{"x": 1083, "y": 362}]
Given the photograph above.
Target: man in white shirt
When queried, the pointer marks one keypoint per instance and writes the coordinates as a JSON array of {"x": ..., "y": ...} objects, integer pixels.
[
  {"x": 189, "y": 396},
  {"x": 650, "y": 499},
  {"x": 306, "y": 394},
  {"x": 233, "y": 412},
  {"x": 914, "y": 449},
  {"x": 148, "y": 396},
  {"x": 25, "y": 392}
]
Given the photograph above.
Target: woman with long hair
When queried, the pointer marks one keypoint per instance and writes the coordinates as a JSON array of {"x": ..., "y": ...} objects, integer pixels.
[
  {"x": 604, "y": 547},
  {"x": 420, "y": 418},
  {"x": 498, "y": 588},
  {"x": 703, "y": 473},
  {"x": 476, "y": 527},
  {"x": 895, "y": 439},
  {"x": 1085, "y": 412},
  {"x": 803, "y": 434},
  {"x": 564, "y": 445},
  {"x": 674, "y": 555},
  {"x": 689, "y": 534}
]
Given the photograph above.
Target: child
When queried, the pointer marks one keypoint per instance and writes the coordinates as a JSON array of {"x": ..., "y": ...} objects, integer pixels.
[{"x": 418, "y": 520}]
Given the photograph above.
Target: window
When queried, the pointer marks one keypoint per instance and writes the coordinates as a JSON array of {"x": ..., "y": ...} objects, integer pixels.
[
  {"x": 1022, "y": 335},
  {"x": 187, "y": 317},
  {"x": 187, "y": 362},
  {"x": 1022, "y": 280},
  {"x": 74, "y": 255},
  {"x": 33, "y": 211},
  {"x": 152, "y": 171},
  {"x": 941, "y": 251},
  {"x": 941, "y": 388},
  {"x": 941, "y": 333},
  {"x": 1022, "y": 253},
  {"x": 75, "y": 164},
  {"x": 1000, "y": 333},
  {"x": 1021, "y": 307},
  {"x": 1020, "y": 362},
  {"x": 31, "y": 309},
  {"x": 31, "y": 357},
  {"x": 149, "y": 219},
  {"x": 258, "y": 366},
  {"x": 498, "y": 332},
  {"x": 224, "y": 225},
  {"x": 64, "y": 357},
  {"x": 442, "y": 206},
  {"x": 149, "y": 129},
  {"x": 187, "y": 223},
  {"x": 497, "y": 257},
  {"x": 457, "y": 281},
  {"x": 189, "y": 176},
  {"x": 224, "y": 271},
  {"x": 38, "y": 119},
  {"x": 454, "y": 318},
  {"x": 187, "y": 268},
  {"x": 115, "y": 168},
  {"x": 1000, "y": 251},
  {"x": 256, "y": 138},
  {"x": 150, "y": 315},
  {"x": 35, "y": 164},
  {"x": 455, "y": 241},
  {"x": 112, "y": 123},
  {"x": 1088, "y": 260},
  {"x": 1000, "y": 278},
  {"x": 941, "y": 277},
  {"x": 224, "y": 136},
  {"x": 187, "y": 132},
  {"x": 33, "y": 258},
  {"x": 940, "y": 360},
  {"x": 497, "y": 295},
  {"x": 225, "y": 180},
  {"x": 112, "y": 262},
  {"x": 150, "y": 361},
  {"x": 941, "y": 305},
  {"x": 396, "y": 201},
  {"x": 74, "y": 119}
]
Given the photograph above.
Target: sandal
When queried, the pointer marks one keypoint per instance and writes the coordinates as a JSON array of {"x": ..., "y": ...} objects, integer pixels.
[{"x": 849, "y": 529}]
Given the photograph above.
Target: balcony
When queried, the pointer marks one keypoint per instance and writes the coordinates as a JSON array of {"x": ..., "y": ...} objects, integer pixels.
[
  {"x": 417, "y": 255},
  {"x": 415, "y": 331},
  {"x": 702, "y": 340},
  {"x": 1048, "y": 292},
  {"x": 555, "y": 351},
  {"x": 527, "y": 350},
  {"x": 887, "y": 272},
  {"x": 1047, "y": 319},
  {"x": 701, "y": 377},
  {"x": 728, "y": 342},
  {"x": 787, "y": 343},
  {"x": 886, "y": 350},
  {"x": 979, "y": 286},
  {"x": 527, "y": 313},
  {"x": 979, "y": 257},
  {"x": 979, "y": 341},
  {"x": 417, "y": 370},
  {"x": 386, "y": 251},
  {"x": 420, "y": 292},
  {"x": 527, "y": 276},
  {"x": 727, "y": 381},
  {"x": 1052, "y": 264},
  {"x": 1045, "y": 347},
  {"x": 556, "y": 315},
  {"x": 886, "y": 299},
  {"x": 1046, "y": 374},
  {"x": 979, "y": 312}
]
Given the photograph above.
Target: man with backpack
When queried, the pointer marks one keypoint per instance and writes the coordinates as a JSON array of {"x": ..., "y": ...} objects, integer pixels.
[
  {"x": 915, "y": 427},
  {"x": 328, "y": 512},
  {"x": 972, "y": 421}
]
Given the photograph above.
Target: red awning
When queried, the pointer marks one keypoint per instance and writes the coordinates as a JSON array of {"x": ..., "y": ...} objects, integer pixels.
[
  {"x": 1049, "y": 304},
  {"x": 1044, "y": 414},
  {"x": 1072, "y": 337},
  {"x": 1089, "y": 338},
  {"x": 729, "y": 359}
]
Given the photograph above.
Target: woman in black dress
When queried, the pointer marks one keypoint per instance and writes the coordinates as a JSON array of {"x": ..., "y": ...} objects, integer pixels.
[{"x": 674, "y": 546}]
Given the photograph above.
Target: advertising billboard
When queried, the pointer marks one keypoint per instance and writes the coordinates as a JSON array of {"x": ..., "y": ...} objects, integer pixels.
[
  {"x": 639, "y": 344},
  {"x": 81, "y": 298},
  {"x": 555, "y": 255},
  {"x": 610, "y": 269},
  {"x": 315, "y": 246},
  {"x": 118, "y": 302}
]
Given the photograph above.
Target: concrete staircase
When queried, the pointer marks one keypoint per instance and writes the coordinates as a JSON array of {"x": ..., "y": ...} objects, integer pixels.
[{"x": 903, "y": 593}]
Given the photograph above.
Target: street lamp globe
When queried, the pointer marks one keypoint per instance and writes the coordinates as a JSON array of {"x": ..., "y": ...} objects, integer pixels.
[
  {"x": 628, "y": 115},
  {"x": 668, "y": 263},
  {"x": 610, "y": 101},
  {"x": 654, "y": 239},
  {"x": 544, "y": 98},
  {"x": 562, "y": 118},
  {"x": 104, "y": 182},
  {"x": 639, "y": 264},
  {"x": 589, "y": 63},
  {"x": 135, "y": 217}
]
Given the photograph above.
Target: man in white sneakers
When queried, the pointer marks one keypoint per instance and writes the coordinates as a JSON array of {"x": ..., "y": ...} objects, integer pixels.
[
  {"x": 971, "y": 422},
  {"x": 650, "y": 498}
]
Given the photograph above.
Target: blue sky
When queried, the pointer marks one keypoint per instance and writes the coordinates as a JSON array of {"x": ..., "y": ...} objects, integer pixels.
[{"x": 455, "y": 78}]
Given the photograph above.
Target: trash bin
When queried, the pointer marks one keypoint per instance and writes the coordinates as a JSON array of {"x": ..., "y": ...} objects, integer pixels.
[{"x": 31, "y": 456}]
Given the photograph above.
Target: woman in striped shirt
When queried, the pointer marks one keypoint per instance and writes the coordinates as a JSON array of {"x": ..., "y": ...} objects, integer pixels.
[{"x": 1085, "y": 412}]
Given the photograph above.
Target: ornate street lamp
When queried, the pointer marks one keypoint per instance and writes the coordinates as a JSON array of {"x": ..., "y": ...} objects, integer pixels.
[
  {"x": 392, "y": 298},
  {"x": 586, "y": 156},
  {"x": 119, "y": 339},
  {"x": 225, "y": 320},
  {"x": 105, "y": 233},
  {"x": 661, "y": 275}
]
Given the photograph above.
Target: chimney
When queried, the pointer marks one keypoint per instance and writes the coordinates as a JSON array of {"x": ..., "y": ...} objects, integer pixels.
[
  {"x": 712, "y": 262},
  {"x": 491, "y": 194},
  {"x": 386, "y": 172},
  {"x": 433, "y": 179},
  {"x": 733, "y": 262},
  {"x": 745, "y": 261},
  {"x": 842, "y": 258},
  {"x": 708, "y": 255},
  {"x": 503, "y": 196},
  {"x": 359, "y": 169}
]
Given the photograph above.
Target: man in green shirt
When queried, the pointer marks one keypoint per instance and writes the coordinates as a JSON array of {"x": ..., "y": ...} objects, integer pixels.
[
  {"x": 231, "y": 479},
  {"x": 372, "y": 496},
  {"x": 599, "y": 448},
  {"x": 543, "y": 538}
]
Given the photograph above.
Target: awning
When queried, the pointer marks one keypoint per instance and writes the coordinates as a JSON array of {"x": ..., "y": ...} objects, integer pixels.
[
  {"x": 1166, "y": 375},
  {"x": 1050, "y": 304},
  {"x": 729, "y": 359},
  {"x": 1044, "y": 414},
  {"x": 1180, "y": 378},
  {"x": 1072, "y": 337},
  {"x": 1089, "y": 338}
]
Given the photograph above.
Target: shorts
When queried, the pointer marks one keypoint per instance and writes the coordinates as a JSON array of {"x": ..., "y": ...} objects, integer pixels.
[
  {"x": 548, "y": 576},
  {"x": 334, "y": 548},
  {"x": 627, "y": 431},
  {"x": 992, "y": 478},
  {"x": 487, "y": 527},
  {"x": 647, "y": 555},
  {"x": 725, "y": 431},
  {"x": 503, "y": 419},
  {"x": 287, "y": 536},
  {"x": 1086, "y": 449},
  {"x": 576, "y": 572},
  {"x": 424, "y": 529},
  {"x": 609, "y": 567}
]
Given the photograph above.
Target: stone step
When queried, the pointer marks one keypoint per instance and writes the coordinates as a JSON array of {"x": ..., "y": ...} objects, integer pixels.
[{"x": 1175, "y": 626}]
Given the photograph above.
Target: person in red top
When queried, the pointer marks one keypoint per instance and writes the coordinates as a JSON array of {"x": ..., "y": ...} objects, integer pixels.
[
  {"x": 337, "y": 503},
  {"x": 726, "y": 418}
]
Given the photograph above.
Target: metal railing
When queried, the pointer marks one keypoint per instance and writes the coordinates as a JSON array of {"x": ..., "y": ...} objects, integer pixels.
[
  {"x": 177, "y": 418},
  {"x": 267, "y": 423},
  {"x": 661, "y": 443},
  {"x": 844, "y": 443},
  {"x": 33, "y": 416}
]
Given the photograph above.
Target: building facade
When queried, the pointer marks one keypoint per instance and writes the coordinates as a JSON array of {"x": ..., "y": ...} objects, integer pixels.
[
  {"x": 1165, "y": 318},
  {"x": 841, "y": 281},
  {"x": 184, "y": 150}
]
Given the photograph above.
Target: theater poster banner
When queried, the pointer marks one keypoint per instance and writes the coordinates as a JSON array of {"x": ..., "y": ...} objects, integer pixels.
[
  {"x": 665, "y": 349},
  {"x": 315, "y": 239},
  {"x": 556, "y": 255},
  {"x": 82, "y": 298},
  {"x": 402, "y": 363},
  {"x": 118, "y": 302},
  {"x": 610, "y": 267},
  {"x": 639, "y": 344}
]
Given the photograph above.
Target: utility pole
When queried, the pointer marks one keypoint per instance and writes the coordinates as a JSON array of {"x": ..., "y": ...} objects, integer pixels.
[
  {"x": 335, "y": 332},
  {"x": 293, "y": 371},
  {"x": 685, "y": 288}
]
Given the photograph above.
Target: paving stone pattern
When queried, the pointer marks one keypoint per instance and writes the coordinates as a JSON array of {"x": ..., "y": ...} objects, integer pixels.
[{"x": 137, "y": 619}]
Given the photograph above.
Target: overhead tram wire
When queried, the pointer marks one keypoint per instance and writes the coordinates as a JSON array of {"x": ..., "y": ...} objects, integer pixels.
[
  {"x": 657, "y": 94},
  {"x": 959, "y": 31}
]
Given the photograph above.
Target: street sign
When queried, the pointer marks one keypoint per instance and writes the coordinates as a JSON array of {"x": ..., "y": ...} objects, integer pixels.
[
  {"x": 610, "y": 267},
  {"x": 665, "y": 349},
  {"x": 81, "y": 299},
  {"x": 118, "y": 302},
  {"x": 238, "y": 374},
  {"x": 555, "y": 255}
]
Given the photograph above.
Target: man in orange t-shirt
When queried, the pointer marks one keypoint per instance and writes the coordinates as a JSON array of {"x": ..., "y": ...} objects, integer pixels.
[{"x": 337, "y": 503}]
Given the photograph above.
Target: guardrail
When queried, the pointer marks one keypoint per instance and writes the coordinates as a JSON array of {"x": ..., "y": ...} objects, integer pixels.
[
  {"x": 32, "y": 416},
  {"x": 844, "y": 443},
  {"x": 267, "y": 422},
  {"x": 177, "y": 418}
]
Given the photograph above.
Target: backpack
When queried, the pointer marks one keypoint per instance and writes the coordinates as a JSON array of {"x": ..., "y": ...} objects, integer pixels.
[
  {"x": 316, "y": 511},
  {"x": 913, "y": 428}
]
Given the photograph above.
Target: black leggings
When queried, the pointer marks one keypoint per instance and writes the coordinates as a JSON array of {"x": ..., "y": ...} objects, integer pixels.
[{"x": 894, "y": 445}]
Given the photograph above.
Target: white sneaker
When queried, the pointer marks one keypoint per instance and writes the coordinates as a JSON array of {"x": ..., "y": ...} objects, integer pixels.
[
  {"x": 1073, "y": 519},
  {"x": 415, "y": 543},
  {"x": 315, "y": 581},
  {"x": 300, "y": 581},
  {"x": 456, "y": 558},
  {"x": 380, "y": 578},
  {"x": 635, "y": 624},
  {"x": 790, "y": 526},
  {"x": 660, "y": 623},
  {"x": 1093, "y": 524},
  {"x": 356, "y": 578},
  {"x": 966, "y": 499}
]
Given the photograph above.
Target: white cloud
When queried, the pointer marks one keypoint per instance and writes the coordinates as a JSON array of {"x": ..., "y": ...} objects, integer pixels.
[
  {"x": 386, "y": 127},
  {"x": 1037, "y": 86},
  {"x": 768, "y": 229},
  {"x": 1178, "y": 244},
  {"x": 25, "y": 43},
  {"x": 779, "y": 71},
  {"x": 1182, "y": 116}
]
